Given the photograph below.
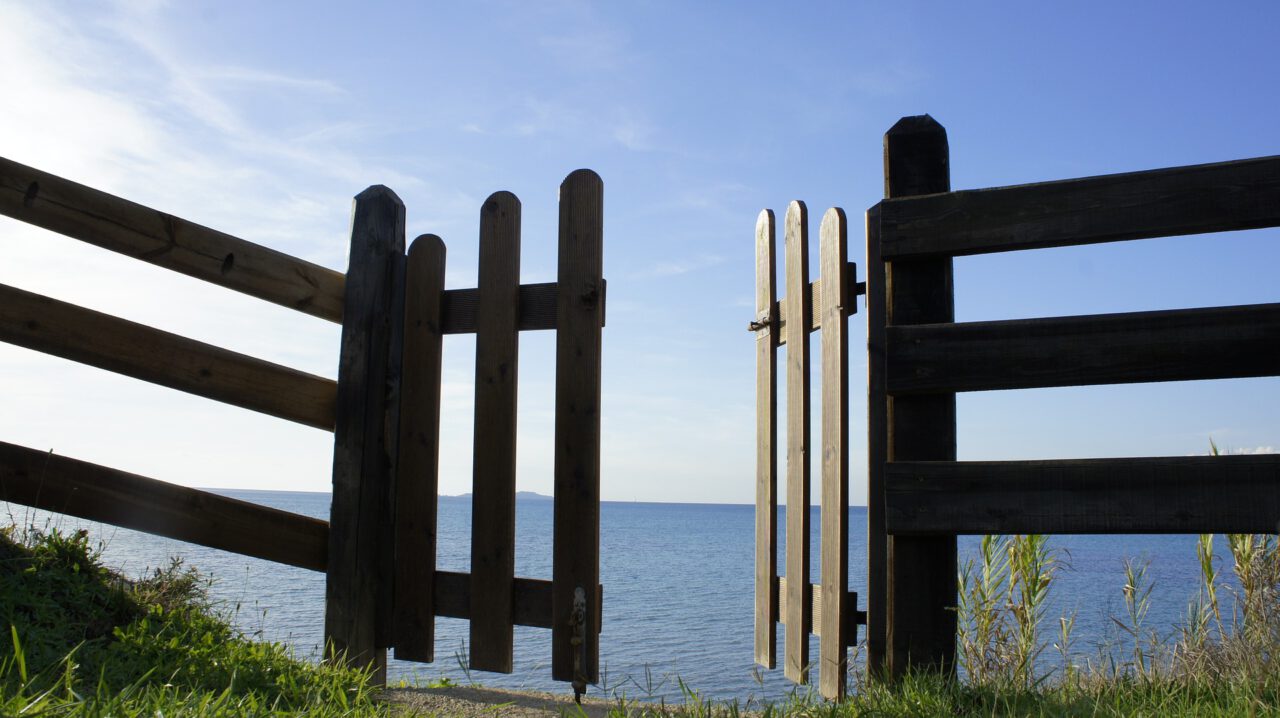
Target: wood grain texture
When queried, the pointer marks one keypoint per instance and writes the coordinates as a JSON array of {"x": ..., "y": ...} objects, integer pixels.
[
  {"x": 1183, "y": 344},
  {"x": 45, "y": 481},
  {"x": 118, "y": 345},
  {"x": 818, "y": 599},
  {"x": 877, "y": 449},
  {"x": 1244, "y": 194},
  {"x": 531, "y": 599},
  {"x": 576, "y": 552},
  {"x": 921, "y": 620},
  {"x": 109, "y": 222},
  {"x": 418, "y": 464},
  {"x": 361, "y": 541},
  {"x": 798, "y": 314},
  {"x": 493, "y": 502},
  {"x": 814, "y": 297},
  {"x": 836, "y": 298},
  {"x": 766, "y": 597},
  {"x": 1188, "y": 494},
  {"x": 538, "y": 304}
]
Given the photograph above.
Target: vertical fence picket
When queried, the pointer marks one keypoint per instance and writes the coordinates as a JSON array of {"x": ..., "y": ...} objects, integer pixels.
[
  {"x": 835, "y": 302},
  {"x": 493, "y": 502},
  {"x": 798, "y": 312},
  {"x": 766, "y": 327},
  {"x": 417, "y": 477},
  {"x": 575, "y": 649},
  {"x": 359, "y": 576},
  {"x": 921, "y": 571}
]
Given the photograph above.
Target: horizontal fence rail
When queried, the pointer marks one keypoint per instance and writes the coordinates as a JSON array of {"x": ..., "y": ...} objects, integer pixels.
[
  {"x": 43, "y": 480},
  {"x": 107, "y": 342},
  {"x": 1244, "y": 194},
  {"x": 1174, "y": 345},
  {"x": 107, "y": 221},
  {"x": 917, "y": 365},
  {"x": 1196, "y": 494}
]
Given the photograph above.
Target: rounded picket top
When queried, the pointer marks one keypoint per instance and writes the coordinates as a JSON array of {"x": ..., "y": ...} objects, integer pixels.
[
  {"x": 834, "y": 219},
  {"x": 764, "y": 221},
  {"x": 428, "y": 245},
  {"x": 499, "y": 201}
]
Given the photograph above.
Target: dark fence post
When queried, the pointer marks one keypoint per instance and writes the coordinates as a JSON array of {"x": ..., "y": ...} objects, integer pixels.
[
  {"x": 417, "y": 473},
  {"x": 358, "y": 591},
  {"x": 575, "y": 644},
  {"x": 912, "y": 580}
]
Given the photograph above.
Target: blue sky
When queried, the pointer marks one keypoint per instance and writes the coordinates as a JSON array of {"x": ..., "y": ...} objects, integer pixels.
[{"x": 264, "y": 119}]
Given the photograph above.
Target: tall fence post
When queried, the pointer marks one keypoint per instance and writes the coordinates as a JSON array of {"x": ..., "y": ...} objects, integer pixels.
[
  {"x": 912, "y": 580},
  {"x": 358, "y": 591},
  {"x": 767, "y": 331},
  {"x": 575, "y": 643}
]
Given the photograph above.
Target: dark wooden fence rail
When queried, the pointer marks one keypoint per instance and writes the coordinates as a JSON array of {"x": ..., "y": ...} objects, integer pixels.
[
  {"x": 378, "y": 549},
  {"x": 920, "y": 497},
  {"x": 826, "y": 609}
]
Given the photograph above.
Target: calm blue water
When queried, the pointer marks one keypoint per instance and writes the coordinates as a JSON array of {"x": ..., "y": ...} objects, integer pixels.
[{"x": 678, "y": 590}]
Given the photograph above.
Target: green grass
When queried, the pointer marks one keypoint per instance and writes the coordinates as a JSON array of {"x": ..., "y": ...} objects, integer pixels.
[{"x": 79, "y": 640}]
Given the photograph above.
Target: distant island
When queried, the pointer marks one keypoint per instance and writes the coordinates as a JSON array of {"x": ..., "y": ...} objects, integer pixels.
[{"x": 520, "y": 496}]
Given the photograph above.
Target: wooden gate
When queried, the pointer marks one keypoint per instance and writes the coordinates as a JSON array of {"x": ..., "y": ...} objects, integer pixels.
[
  {"x": 378, "y": 549},
  {"x": 920, "y": 497},
  {"x": 827, "y": 609}
]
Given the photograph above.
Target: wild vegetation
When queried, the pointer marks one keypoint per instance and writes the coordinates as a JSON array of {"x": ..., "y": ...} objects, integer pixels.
[{"x": 84, "y": 641}]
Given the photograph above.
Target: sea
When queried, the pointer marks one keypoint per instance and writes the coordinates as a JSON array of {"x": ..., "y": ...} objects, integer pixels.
[{"x": 678, "y": 595}]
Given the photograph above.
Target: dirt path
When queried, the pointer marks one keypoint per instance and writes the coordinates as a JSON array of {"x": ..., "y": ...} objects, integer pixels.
[{"x": 472, "y": 702}]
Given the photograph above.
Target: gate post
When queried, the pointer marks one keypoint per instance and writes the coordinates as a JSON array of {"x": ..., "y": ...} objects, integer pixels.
[
  {"x": 358, "y": 587},
  {"x": 912, "y": 580}
]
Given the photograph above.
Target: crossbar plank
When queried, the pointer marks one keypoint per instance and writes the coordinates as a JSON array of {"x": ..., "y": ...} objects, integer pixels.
[
  {"x": 43, "y": 480},
  {"x": 766, "y": 598},
  {"x": 537, "y": 308},
  {"x": 493, "y": 503},
  {"x": 850, "y": 615},
  {"x": 118, "y": 345},
  {"x": 1243, "y": 194},
  {"x": 798, "y": 312},
  {"x": 418, "y": 464},
  {"x": 1176, "y": 495},
  {"x": 530, "y": 599},
  {"x": 1184, "y": 344},
  {"x": 109, "y": 222}
]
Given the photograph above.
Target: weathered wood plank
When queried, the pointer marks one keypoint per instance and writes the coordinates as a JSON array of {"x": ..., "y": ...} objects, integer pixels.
[
  {"x": 493, "y": 502},
  {"x": 814, "y": 296},
  {"x": 849, "y": 613},
  {"x": 1187, "y": 494},
  {"x": 766, "y": 598},
  {"x": 418, "y": 465},
  {"x": 1244, "y": 194},
  {"x": 1183, "y": 344},
  {"x": 361, "y": 539},
  {"x": 43, "y": 480},
  {"x": 797, "y": 312},
  {"x": 836, "y": 296},
  {"x": 530, "y": 599},
  {"x": 118, "y": 345},
  {"x": 877, "y": 449},
  {"x": 107, "y": 221},
  {"x": 576, "y": 552},
  {"x": 537, "y": 308},
  {"x": 921, "y": 570}
]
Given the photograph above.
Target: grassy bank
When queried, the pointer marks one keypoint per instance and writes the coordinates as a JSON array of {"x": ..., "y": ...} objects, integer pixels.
[{"x": 79, "y": 640}]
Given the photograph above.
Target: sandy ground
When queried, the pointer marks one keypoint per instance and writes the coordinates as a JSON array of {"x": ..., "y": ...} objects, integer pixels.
[{"x": 470, "y": 702}]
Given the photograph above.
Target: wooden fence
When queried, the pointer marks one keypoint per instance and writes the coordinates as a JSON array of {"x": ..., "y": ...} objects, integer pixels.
[
  {"x": 378, "y": 549},
  {"x": 827, "y": 609},
  {"x": 920, "y": 497}
]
